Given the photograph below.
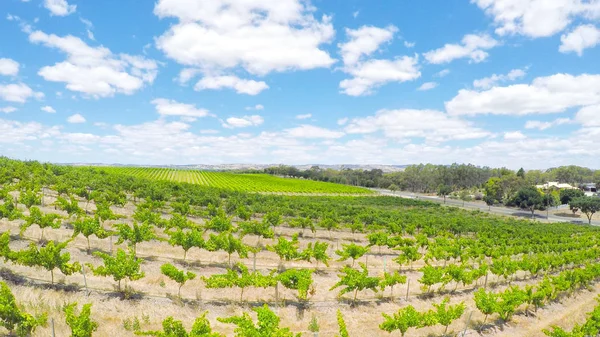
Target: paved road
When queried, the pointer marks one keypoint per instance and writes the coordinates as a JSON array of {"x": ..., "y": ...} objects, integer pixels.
[{"x": 539, "y": 215}]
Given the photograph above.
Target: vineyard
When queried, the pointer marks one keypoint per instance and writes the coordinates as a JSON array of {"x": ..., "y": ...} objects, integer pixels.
[
  {"x": 99, "y": 252},
  {"x": 238, "y": 181}
]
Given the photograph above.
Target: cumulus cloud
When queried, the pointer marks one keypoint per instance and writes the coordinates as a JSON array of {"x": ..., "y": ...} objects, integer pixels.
[
  {"x": 364, "y": 41},
  {"x": 488, "y": 82},
  {"x": 243, "y": 122},
  {"x": 540, "y": 125},
  {"x": 59, "y": 7},
  {"x": 259, "y": 36},
  {"x": 514, "y": 135},
  {"x": 405, "y": 124},
  {"x": 442, "y": 73},
  {"x": 166, "y": 107},
  {"x": 409, "y": 44},
  {"x": 8, "y": 109},
  {"x": 582, "y": 37},
  {"x": 241, "y": 86},
  {"x": 375, "y": 73},
  {"x": 372, "y": 73},
  {"x": 549, "y": 94},
  {"x": 9, "y": 67},
  {"x": 48, "y": 109},
  {"x": 76, "y": 119},
  {"x": 94, "y": 71},
  {"x": 536, "y": 18},
  {"x": 427, "y": 86},
  {"x": 18, "y": 93},
  {"x": 472, "y": 47},
  {"x": 589, "y": 116}
]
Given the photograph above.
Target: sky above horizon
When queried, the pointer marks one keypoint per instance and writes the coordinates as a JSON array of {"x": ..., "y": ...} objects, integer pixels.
[{"x": 489, "y": 82}]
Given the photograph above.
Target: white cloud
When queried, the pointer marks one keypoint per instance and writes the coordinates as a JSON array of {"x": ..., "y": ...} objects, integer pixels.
[
  {"x": 582, "y": 37},
  {"x": 9, "y": 67},
  {"x": 364, "y": 41},
  {"x": 355, "y": 14},
  {"x": 550, "y": 94},
  {"x": 8, "y": 109},
  {"x": 375, "y": 73},
  {"x": 48, "y": 109},
  {"x": 167, "y": 107},
  {"x": 256, "y": 107},
  {"x": 427, "y": 86},
  {"x": 443, "y": 73},
  {"x": 76, "y": 119},
  {"x": 488, "y": 82},
  {"x": 243, "y": 122},
  {"x": 311, "y": 131},
  {"x": 305, "y": 116},
  {"x": 186, "y": 74},
  {"x": 14, "y": 132},
  {"x": 260, "y": 36},
  {"x": 589, "y": 116},
  {"x": 536, "y": 18},
  {"x": 432, "y": 125},
  {"x": 18, "y": 93},
  {"x": 95, "y": 71},
  {"x": 472, "y": 47},
  {"x": 409, "y": 44},
  {"x": 59, "y": 7},
  {"x": 241, "y": 86},
  {"x": 342, "y": 121},
  {"x": 546, "y": 125},
  {"x": 514, "y": 135},
  {"x": 209, "y": 132}
]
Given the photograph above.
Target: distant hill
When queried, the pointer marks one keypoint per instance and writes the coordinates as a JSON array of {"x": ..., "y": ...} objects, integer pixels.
[{"x": 234, "y": 167}]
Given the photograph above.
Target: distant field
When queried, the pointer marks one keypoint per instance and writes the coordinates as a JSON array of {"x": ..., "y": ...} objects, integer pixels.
[{"x": 240, "y": 182}]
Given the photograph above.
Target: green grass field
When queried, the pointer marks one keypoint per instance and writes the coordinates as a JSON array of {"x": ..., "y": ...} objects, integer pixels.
[{"x": 239, "y": 181}]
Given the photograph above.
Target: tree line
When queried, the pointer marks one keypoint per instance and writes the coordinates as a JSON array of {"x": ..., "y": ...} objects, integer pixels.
[{"x": 427, "y": 178}]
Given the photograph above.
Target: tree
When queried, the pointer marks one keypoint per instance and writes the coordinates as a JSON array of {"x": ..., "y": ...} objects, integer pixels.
[
  {"x": 179, "y": 276},
  {"x": 267, "y": 325},
  {"x": 406, "y": 318},
  {"x": 352, "y": 251},
  {"x": 588, "y": 206},
  {"x": 486, "y": 302},
  {"x": 286, "y": 249},
  {"x": 81, "y": 325},
  {"x": 186, "y": 240},
  {"x": 317, "y": 251},
  {"x": 174, "y": 328},
  {"x": 229, "y": 243},
  {"x": 29, "y": 198},
  {"x": 444, "y": 191},
  {"x": 356, "y": 280},
  {"x": 42, "y": 220},
  {"x": 490, "y": 201},
  {"x": 120, "y": 266},
  {"x": 241, "y": 278},
  {"x": 521, "y": 173},
  {"x": 297, "y": 279},
  {"x": 446, "y": 314},
  {"x": 493, "y": 190},
  {"x": 88, "y": 227},
  {"x": 342, "y": 325},
  {"x": 70, "y": 206},
  {"x": 549, "y": 200},
  {"x": 566, "y": 195},
  {"x": 48, "y": 257},
  {"x": 15, "y": 320},
  {"x": 528, "y": 198},
  {"x": 464, "y": 195},
  {"x": 393, "y": 188},
  {"x": 134, "y": 235},
  {"x": 390, "y": 280}
]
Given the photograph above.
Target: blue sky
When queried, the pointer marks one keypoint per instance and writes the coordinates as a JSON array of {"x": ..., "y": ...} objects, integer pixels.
[{"x": 489, "y": 82}]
